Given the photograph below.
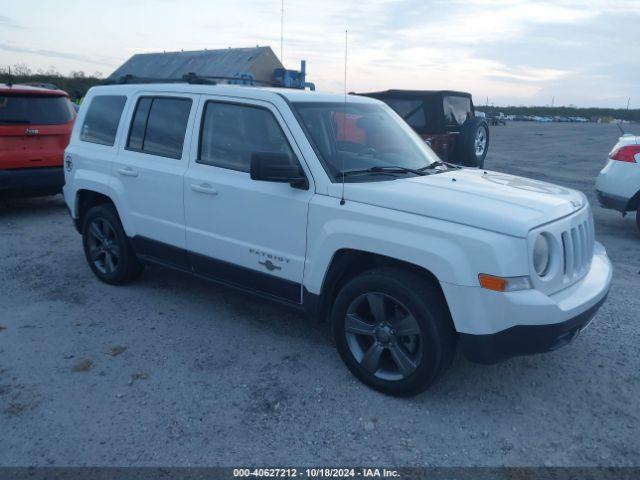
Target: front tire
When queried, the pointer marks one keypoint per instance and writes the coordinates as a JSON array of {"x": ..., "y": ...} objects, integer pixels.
[
  {"x": 393, "y": 330},
  {"x": 107, "y": 248}
]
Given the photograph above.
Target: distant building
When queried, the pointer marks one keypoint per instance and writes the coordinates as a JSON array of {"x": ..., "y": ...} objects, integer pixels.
[{"x": 258, "y": 64}]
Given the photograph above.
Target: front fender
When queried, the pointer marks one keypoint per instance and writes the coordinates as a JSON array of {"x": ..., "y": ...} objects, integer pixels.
[{"x": 452, "y": 252}]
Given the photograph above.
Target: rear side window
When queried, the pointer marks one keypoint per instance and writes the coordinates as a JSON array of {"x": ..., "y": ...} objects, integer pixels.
[
  {"x": 102, "y": 119},
  {"x": 34, "y": 110},
  {"x": 159, "y": 125},
  {"x": 231, "y": 133},
  {"x": 456, "y": 109},
  {"x": 411, "y": 111}
]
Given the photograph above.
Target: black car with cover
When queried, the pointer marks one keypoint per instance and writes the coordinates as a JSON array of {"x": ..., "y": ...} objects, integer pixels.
[{"x": 445, "y": 119}]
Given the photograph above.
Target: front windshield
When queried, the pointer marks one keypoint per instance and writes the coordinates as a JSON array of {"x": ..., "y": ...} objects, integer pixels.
[{"x": 354, "y": 137}]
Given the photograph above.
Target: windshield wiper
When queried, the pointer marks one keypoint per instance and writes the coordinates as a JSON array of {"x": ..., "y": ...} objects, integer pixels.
[
  {"x": 440, "y": 163},
  {"x": 385, "y": 169}
]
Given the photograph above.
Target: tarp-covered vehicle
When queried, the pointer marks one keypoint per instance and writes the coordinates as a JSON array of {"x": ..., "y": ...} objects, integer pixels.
[{"x": 445, "y": 119}]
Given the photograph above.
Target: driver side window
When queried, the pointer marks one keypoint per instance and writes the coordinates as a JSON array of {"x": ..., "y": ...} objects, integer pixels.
[{"x": 231, "y": 133}]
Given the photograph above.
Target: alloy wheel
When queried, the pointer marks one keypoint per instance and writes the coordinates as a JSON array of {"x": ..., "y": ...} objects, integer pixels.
[
  {"x": 383, "y": 336},
  {"x": 104, "y": 250},
  {"x": 480, "y": 141}
]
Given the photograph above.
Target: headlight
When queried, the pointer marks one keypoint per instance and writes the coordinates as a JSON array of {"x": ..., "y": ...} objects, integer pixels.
[{"x": 541, "y": 255}]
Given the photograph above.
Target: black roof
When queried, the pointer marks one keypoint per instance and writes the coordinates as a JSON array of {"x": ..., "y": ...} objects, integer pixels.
[{"x": 416, "y": 93}]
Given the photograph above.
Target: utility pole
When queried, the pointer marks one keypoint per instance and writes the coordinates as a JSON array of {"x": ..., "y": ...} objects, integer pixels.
[
  {"x": 553, "y": 100},
  {"x": 628, "y": 102}
]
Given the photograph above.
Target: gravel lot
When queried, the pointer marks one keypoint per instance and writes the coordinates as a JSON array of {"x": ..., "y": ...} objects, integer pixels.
[{"x": 175, "y": 371}]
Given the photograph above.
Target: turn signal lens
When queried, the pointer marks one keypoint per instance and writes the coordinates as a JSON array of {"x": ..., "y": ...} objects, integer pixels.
[
  {"x": 492, "y": 283},
  {"x": 504, "y": 284}
]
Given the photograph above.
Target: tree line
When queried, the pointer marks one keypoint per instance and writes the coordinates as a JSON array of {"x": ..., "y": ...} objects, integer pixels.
[{"x": 75, "y": 84}]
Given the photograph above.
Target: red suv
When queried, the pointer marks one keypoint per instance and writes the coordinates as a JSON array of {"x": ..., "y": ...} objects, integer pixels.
[{"x": 35, "y": 125}]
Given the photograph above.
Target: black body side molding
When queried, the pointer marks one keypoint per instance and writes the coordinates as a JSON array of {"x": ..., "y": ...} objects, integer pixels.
[{"x": 252, "y": 281}]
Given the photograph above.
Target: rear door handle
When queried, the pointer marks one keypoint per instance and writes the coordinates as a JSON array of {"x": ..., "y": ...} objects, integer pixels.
[
  {"x": 204, "y": 188},
  {"x": 128, "y": 172}
]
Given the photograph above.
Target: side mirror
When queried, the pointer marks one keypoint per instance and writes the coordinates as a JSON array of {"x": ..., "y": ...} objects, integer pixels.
[{"x": 277, "y": 167}]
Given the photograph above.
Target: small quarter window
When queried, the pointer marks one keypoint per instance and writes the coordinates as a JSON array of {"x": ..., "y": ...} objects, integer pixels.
[
  {"x": 102, "y": 119},
  {"x": 159, "y": 125},
  {"x": 231, "y": 133}
]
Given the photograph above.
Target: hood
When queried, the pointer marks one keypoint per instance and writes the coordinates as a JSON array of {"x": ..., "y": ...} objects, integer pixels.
[{"x": 489, "y": 200}]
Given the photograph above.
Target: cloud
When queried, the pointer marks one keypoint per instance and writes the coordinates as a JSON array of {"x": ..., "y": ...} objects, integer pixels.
[
  {"x": 8, "y": 22},
  {"x": 528, "y": 74},
  {"x": 515, "y": 50},
  {"x": 56, "y": 54}
]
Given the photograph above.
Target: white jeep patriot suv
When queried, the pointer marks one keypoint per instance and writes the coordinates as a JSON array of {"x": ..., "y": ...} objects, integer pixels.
[{"x": 334, "y": 206}]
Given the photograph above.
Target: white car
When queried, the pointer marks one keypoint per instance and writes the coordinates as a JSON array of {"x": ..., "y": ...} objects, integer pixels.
[
  {"x": 618, "y": 185},
  {"x": 336, "y": 208}
]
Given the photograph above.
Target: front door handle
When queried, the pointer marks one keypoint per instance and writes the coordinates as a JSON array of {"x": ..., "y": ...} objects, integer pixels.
[
  {"x": 128, "y": 172},
  {"x": 204, "y": 188}
]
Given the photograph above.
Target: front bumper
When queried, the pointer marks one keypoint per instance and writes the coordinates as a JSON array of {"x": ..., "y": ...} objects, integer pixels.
[
  {"x": 525, "y": 339},
  {"x": 31, "y": 181},
  {"x": 493, "y": 326}
]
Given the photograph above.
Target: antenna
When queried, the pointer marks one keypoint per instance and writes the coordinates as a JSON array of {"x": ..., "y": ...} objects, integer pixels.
[
  {"x": 344, "y": 114},
  {"x": 281, "y": 31},
  {"x": 346, "y": 33}
]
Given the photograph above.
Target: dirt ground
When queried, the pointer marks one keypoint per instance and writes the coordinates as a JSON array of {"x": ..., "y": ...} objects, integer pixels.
[{"x": 172, "y": 370}]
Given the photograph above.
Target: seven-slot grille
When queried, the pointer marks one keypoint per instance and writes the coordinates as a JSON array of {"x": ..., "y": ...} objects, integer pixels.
[{"x": 577, "y": 245}]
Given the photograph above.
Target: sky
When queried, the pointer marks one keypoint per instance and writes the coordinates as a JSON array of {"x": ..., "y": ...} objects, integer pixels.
[{"x": 506, "y": 52}]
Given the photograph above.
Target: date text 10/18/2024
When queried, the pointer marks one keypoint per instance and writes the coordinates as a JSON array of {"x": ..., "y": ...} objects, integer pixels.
[{"x": 316, "y": 472}]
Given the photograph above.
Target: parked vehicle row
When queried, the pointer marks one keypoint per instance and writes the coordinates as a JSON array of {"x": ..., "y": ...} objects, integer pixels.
[
  {"x": 543, "y": 119},
  {"x": 339, "y": 209}
]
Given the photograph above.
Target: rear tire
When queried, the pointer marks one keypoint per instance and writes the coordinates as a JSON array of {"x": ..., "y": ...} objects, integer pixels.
[
  {"x": 393, "y": 330},
  {"x": 107, "y": 248}
]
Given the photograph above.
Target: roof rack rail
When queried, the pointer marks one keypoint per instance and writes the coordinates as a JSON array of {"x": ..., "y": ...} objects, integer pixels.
[
  {"x": 191, "y": 78},
  {"x": 132, "y": 79}
]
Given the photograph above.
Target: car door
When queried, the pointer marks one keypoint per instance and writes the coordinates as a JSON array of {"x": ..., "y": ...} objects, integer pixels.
[
  {"x": 148, "y": 173},
  {"x": 245, "y": 232}
]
